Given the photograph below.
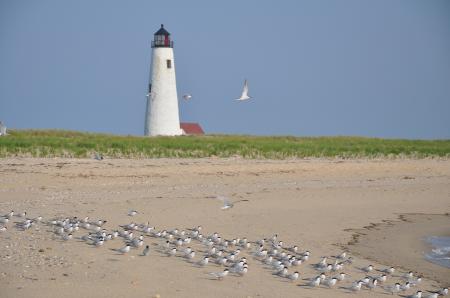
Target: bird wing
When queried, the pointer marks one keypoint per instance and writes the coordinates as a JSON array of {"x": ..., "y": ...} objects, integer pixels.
[
  {"x": 245, "y": 90},
  {"x": 226, "y": 202},
  {"x": 224, "y": 199}
]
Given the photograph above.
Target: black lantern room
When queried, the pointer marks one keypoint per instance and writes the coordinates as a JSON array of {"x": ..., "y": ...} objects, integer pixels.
[{"x": 162, "y": 39}]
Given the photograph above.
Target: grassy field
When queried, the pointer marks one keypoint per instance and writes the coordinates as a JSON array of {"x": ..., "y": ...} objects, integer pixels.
[{"x": 59, "y": 143}]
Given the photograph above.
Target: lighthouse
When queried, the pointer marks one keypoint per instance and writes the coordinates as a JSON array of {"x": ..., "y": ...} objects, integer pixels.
[{"x": 161, "y": 115}]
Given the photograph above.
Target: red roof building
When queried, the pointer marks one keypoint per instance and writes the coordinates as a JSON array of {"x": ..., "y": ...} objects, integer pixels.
[{"x": 191, "y": 128}]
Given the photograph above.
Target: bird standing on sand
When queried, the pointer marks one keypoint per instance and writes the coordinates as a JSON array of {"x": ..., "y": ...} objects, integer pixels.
[
  {"x": 315, "y": 282},
  {"x": 382, "y": 278},
  {"x": 342, "y": 256},
  {"x": 389, "y": 270},
  {"x": 341, "y": 276},
  {"x": 9, "y": 215},
  {"x": 331, "y": 282},
  {"x": 417, "y": 281},
  {"x": 372, "y": 284},
  {"x": 293, "y": 249},
  {"x": 405, "y": 287},
  {"x": 98, "y": 156},
  {"x": 124, "y": 249},
  {"x": 418, "y": 294},
  {"x": 443, "y": 292},
  {"x": 221, "y": 261},
  {"x": 408, "y": 275},
  {"x": 172, "y": 252},
  {"x": 203, "y": 262},
  {"x": 99, "y": 242},
  {"x": 220, "y": 275},
  {"x": 322, "y": 264},
  {"x": 190, "y": 255},
  {"x": 132, "y": 213},
  {"x": 67, "y": 237},
  {"x": 243, "y": 271},
  {"x": 322, "y": 277},
  {"x": 356, "y": 286},
  {"x": 282, "y": 272},
  {"x": 146, "y": 251},
  {"x": 393, "y": 289}
]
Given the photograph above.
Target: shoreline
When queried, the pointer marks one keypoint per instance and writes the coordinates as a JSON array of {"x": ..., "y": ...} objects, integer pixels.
[{"x": 374, "y": 241}]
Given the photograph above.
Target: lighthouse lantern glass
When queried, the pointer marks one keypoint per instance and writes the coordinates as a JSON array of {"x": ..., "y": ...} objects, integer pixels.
[{"x": 162, "y": 41}]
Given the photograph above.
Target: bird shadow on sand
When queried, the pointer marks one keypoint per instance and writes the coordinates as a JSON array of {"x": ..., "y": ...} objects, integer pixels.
[
  {"x": 187, "y": 261},
  {"x": 306, "y": 286},
  {"x": 281, "y": 278},
  {"x": 117, "y": 253},
  {"x": 212, "y": 278},
  {"x": 348, "y": 290}
]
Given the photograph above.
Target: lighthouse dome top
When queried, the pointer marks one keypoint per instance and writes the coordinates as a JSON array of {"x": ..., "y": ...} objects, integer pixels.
[
  {"x": 162, "y": 39},
  {"x": 162, "y": 31}
]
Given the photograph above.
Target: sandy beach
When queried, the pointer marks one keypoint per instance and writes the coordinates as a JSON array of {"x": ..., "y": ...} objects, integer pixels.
[{"x": 378, "y": 211}]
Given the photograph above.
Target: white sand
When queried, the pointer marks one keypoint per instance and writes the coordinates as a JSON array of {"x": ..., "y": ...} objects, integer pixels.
[{"x": 310, "y": 203}]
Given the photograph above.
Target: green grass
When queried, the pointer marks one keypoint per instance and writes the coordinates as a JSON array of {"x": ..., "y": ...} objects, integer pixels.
[{"x": 59, "y": 143}]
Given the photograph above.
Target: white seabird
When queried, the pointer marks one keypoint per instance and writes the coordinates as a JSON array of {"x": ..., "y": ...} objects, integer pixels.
[
  {"x": 418, "y": 294},
  {"x": 244, "y": 95},
  {"x": 132, "y": 213},
  {"x": 146, "y": 251},
  {"x": 227, "y": 204},
  {"x": 220, "y": 275},
  {"x": 124, "y": 249}
]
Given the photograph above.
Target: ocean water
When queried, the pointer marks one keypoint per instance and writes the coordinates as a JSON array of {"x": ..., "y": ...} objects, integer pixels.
[{"x": 440, "y": 251}]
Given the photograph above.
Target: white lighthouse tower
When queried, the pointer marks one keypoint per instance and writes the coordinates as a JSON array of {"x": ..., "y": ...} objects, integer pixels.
[{"x": 161, "y": 115}]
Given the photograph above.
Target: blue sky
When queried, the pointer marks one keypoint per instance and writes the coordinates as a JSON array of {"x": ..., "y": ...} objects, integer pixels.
[{"x": 354, "y": 67}]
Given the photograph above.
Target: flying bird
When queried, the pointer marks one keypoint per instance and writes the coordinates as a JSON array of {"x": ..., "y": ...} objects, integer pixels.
[
  {"x": 187, "y": 96},
  {"x": 244, "y": 95},
  {"x": 227, "y": 204}
]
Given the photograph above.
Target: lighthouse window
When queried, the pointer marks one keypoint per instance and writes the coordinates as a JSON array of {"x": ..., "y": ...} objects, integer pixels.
[{"x": 169, "y": 63}]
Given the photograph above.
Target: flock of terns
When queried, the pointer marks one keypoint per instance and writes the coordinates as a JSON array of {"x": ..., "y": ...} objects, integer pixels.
[{"x": 272, "y": 253}]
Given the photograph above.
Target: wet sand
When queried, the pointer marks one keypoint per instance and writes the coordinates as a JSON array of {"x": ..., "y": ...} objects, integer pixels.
[
  {"x": 315, "y": 204},
  {"x": 402, "y": 243}
]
